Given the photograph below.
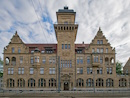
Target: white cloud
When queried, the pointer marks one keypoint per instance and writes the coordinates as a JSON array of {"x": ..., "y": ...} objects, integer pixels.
[{"x": 111, "y": 15}]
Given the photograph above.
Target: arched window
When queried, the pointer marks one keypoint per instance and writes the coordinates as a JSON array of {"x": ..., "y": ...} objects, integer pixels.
[
  {"x": 89, "y": 82},
  {"x": 7, "y": 61},
  {"x": 106, "y": 61},
  {"x": 112, "y": 60},
  {"x": 80, "y": 82},
  {"x": 109, "y": 82},
  {"x": 13, "y": 60},
  {"x": 122, "y": 82},
  {"x": 10, "y": 82},
  {"x": 52, "y": 82},
  {"x": 31, "y": 82},
  {"x": 99, "y": 82},
  {"x": 21, "y": 82},
  {"x": 41, "y": 82}
]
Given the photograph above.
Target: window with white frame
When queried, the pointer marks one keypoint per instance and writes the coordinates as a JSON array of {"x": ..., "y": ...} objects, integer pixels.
[
  {"x": 32, "y": 60},
  {"x": 109, "y": 70},
  {"x": 20, "y": 70},
  {"x": 21, "y": 59},
  {"x": 88, "y": 59},
  {"x": 97, "y": 50},
  {"x": 52, "y": 60},
  {"x": 99, "y": 70},
  {"x": 44, "y": 60},
  {"x": 79, "y": 60},
  {"x": 93, "y": 50},
  {"x": 10, "y": 70},
  {"x": 19, "y": 50},
  {"x": 101, "y": 59},
  {"x": 101, "y": 50},
  {"x": 36, "y": 59},
  {"x": 79, "y": 70},
  {"x": 51, "y": 70},
  {"x": 31, "y": 70},
  {"x": 41, "y": 70},
  {"x": 13, "y": 50},
  {"x": 89, "y": 70},
  {"x": 106, "y": 50}
]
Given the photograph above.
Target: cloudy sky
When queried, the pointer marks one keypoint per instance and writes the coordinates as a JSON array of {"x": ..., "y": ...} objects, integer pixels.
[{"x": 34, "y": 19}]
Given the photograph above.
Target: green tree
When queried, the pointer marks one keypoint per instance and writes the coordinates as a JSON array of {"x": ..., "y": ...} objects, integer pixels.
[
  {"x": 1, "y": 64},
  {"x": 119, "y": 67}
]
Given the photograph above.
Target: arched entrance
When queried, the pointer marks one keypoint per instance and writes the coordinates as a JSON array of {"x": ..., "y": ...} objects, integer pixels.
[{"x": 66, "y": 86}]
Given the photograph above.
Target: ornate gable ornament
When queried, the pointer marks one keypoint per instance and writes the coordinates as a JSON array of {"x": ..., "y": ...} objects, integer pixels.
[{"x": 16, "y": 39}]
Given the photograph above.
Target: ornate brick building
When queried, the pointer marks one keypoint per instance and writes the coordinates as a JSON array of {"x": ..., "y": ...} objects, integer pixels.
[{"x": 44, "y": 66}]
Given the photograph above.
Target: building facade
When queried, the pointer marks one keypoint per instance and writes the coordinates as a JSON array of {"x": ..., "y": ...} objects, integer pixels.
[{"x": 66, "y": 65}]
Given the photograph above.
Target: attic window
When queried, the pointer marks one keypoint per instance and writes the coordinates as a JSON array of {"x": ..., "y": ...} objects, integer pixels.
[
  {"x": 32, "y": 51},
  {"x": 42, "y": 51},
  {"x": 13, "y": 50}
]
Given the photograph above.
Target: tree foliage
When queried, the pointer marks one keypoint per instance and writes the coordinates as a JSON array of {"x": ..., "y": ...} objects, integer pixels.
[
  {"x": 119, "y": 67},
  {"x": 1, "y": 64}
]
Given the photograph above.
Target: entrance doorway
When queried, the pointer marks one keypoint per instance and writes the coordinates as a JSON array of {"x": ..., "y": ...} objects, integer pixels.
[{"x": 66, "y": 86}]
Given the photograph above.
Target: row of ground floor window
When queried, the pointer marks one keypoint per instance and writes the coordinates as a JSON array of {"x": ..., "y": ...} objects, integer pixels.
[{"x": 52, "y": 82}]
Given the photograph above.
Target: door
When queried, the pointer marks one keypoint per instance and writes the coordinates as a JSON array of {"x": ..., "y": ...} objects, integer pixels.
[{"x": 66, "y": 86}]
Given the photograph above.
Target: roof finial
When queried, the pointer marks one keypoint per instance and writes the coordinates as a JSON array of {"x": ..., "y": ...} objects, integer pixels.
[{"x": 99, "y": 28}]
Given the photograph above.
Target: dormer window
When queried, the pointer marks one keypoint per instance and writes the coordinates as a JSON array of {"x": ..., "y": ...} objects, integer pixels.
[
  {"x": 98, "y": 42},
  {"x": 79, "y": 51},
  {"x": 13, "y": 50},
  {"x": 32, "y": 51},
  {"x": 42, "y": 51}
]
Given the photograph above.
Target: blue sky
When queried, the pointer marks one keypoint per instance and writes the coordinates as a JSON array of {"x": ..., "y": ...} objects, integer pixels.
[{"x": 33, "y": 20}]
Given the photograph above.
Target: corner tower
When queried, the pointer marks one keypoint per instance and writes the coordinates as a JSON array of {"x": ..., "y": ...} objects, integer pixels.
[{"x": 66, "y": 31}]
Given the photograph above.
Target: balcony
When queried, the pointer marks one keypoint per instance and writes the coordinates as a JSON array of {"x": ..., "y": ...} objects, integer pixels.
[{"x": 95, "y": 64}]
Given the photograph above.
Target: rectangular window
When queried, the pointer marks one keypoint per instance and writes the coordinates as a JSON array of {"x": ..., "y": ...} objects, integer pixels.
[
  {"x": 36, "y": 59},
  {"x": 100, "y": 71},
  {"x": 107, "y": 70},
  {"x": 98, "y": 42},
  {"x": 68, "y": 46},
  {"x": 13, "y": 50},
  {"x": 31, "y": 60},
  {"x": 77, "y": 60},
  {"x": 110, "y": 70},
  {"x": 101, "y": 50},
  {"x": 96, "y": 58},
  {"x": 93, "y": 50},
  {"x": 101, "y": 41},
  {"x": 9, "y": 71},
  {"x": 106, "y": 50},
  {"x": 65, "y": 46},
  {"x": 61, "y": 63},
  {"x": 51, "y": 70},
  {"x": 44, "y": 60},
  {"x": 97, "y": 50},
  {"x": 31, "y": 70},
  {"x": 12, "y": 70},
  {"x": 80, "y": 70},
  {"x": 52, "y": 60},
  {"x": 20, "y": 70},
  {"x": 21, "y": 59},
  {"x": 62, "y": 46},
  {"x": 88, "y": 59},
  {"x": 19, "y": 50},
  {"x": 81, "y": 60},
  {"x": 101, "y": 59},
  {"x": 41, "y": 70},
  {"x": 70, "y": 63},
  {"x": 89, "y": 70}
]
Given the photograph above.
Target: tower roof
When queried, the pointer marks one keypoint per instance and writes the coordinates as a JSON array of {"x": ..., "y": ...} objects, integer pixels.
[{"x": 66, "y": 10}]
